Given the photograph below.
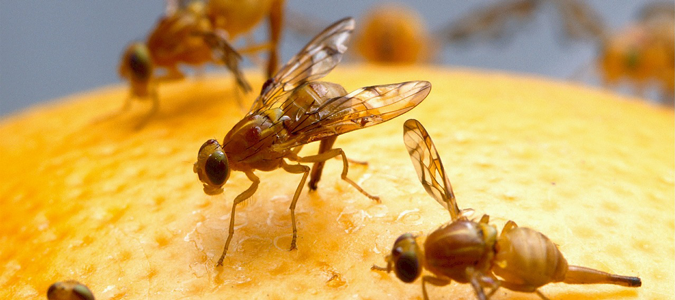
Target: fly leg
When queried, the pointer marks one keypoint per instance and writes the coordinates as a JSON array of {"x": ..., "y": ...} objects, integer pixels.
[
  {"x": 477, "y": 279},
  {"x": 240, "y": 198},
  {"x": 172, "y": 74},
  {"x": 125, "y": 108},
  {"x": 432, "y": 280},
  {"x": 152, "y": 112},
  {"x": 325, "y": 145},
  {"x": 276, "y": 20},
  {"x": 388, "y": 268},
  {"x": 295, "y": 169},
  {"x": 226, "y": 54},
  {"x": 322, "y": 157}
]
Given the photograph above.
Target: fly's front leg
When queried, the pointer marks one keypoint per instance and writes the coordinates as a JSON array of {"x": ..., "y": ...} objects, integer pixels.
[
  {"x": 388, "y": 268},
  {"x": 126, "y": 106},
  {"x": 240, "y": 198},
  {"x": 295, "y": 169},
  {"x": 322, "y": 157},
  {"x": 108, "y": 116},
  {"x": 153, "y": 110}
]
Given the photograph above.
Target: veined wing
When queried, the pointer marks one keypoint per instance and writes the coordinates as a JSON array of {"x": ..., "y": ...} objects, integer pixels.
[
  {"x": 361, "y": 108},
  {"x": 428, "y": 166},
  {"x": 652, "y": 11},
  {"x": 491, "y": 22},
  {"x": 313, "y": 62},
  {"x": 227, "y": 55},
  {"x": 580, "y": 21}
]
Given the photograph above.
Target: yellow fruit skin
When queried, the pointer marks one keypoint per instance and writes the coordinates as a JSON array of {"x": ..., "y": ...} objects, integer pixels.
[{"x": 121, "y": 211}]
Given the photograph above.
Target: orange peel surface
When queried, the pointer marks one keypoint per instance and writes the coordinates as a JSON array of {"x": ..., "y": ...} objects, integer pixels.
[{"x": 120, "y": 209}]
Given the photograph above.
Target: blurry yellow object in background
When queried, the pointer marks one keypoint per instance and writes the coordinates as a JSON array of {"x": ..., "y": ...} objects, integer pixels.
[
  {"x": 393, "y": 33},
  {"x": 121, "y": 211},
  {"x": 643, "y": 54}
]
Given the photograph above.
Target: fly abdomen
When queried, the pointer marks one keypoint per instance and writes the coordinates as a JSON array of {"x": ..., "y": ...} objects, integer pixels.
[{"x": 527, "y": 258}]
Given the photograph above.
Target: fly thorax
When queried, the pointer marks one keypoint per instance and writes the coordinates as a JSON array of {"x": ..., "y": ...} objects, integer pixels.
[
  {"x": 463, "y": 244},
  {"x": 311, "y": 96},
  {"x": 246, "y": 134}
]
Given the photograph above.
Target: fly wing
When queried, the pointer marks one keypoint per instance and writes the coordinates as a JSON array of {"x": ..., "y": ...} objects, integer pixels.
[
  {"x": 313, "y": 62},
  {"x": 223, "y": 51},
  {"x": 490, "y": 22},
  {"x": 580, "y": 21},
  {"x": 428, "y": 165},
  {"x": 361, "y": 108}
]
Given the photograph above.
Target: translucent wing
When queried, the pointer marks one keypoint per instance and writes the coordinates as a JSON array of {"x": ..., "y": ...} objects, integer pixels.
[
  {"x": 491, "y": 22},
  {"x": 361, "y": 108},
  {"x": 313, "y": 62},
  {"x": 580, "y": 21},
  {"x": 226, "y": 53},
  {"x": 651, "y": 11},
  {"x": 428, "y": 165}
]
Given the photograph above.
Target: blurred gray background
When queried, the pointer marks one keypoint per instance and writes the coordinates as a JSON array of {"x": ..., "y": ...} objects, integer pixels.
[{"x": 50, "y": 49}]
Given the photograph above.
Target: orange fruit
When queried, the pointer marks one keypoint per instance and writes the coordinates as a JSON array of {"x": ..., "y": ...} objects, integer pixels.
[{"x": 121, "y": 211}]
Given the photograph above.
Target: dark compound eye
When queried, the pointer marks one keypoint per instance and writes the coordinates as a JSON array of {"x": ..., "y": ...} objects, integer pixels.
[
  {"x": 69, "y": 289},
  {"x": 52, "y": 290},
  {"x": 139, "y": 61},
  {"x": 407, "y": 267},
  {"x": 216, "y": 168},
  {"x": 404, "y": 254},
  {"x": 82, "y": 292}
]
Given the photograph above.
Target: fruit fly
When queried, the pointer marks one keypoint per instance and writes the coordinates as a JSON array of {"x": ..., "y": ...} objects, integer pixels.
[
  {"x": 520, "y": 259},
  {"x": 294, "y": 109},
  {"x": 194, "y": 34},
  {"x": 396, "y": 34},
  {"x": 69, "y": 290},
  {"x": 237, "y": 17},
  {"x": 493, "y": 21},
  {"x": 642, "y": 53}
]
